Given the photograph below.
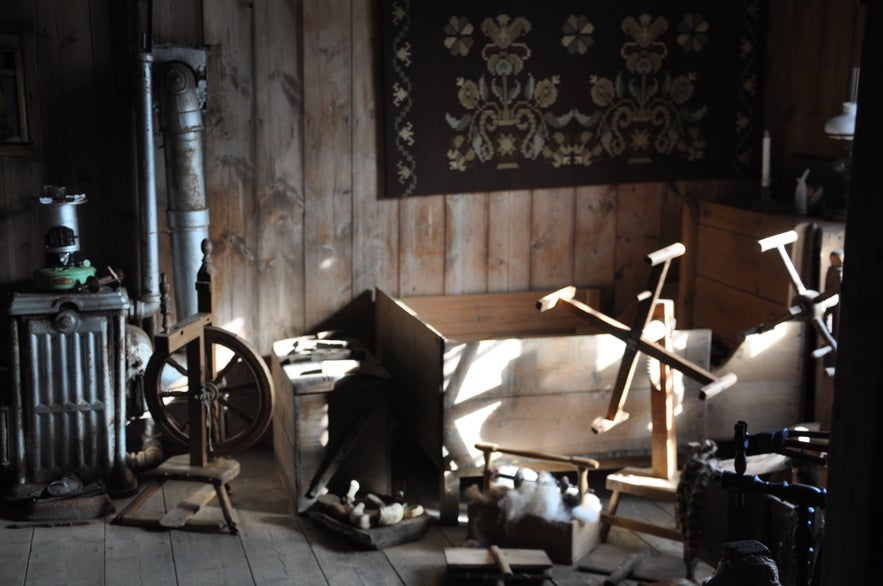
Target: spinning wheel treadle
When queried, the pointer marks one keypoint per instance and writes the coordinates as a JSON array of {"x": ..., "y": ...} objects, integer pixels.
[{"x": 237, "y": 389}]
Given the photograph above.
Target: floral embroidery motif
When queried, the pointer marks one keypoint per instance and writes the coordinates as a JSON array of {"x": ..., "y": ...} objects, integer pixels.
[
  {"x": 692, "y": 33},
  {"x": 577, "y": 34},
  {"x": 459, "y": 36},
  {"x": 508, "y": 114},
  {"x": 404, "y": 128},
  {"x": 645, "y": 109}
]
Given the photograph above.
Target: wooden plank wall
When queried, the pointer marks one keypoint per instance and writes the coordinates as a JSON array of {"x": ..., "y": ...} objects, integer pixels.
[
  {"x": 812, "y": 46},
  {"x": 301, "y": 231}
]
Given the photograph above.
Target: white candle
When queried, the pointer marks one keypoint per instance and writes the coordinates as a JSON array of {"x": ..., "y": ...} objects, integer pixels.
[{"x": 765, "y": 168}]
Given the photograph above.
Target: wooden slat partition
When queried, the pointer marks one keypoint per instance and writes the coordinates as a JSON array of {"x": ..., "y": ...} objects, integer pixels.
[
  {"x": 475, "y": 317},
  {"x": 736, "y": 287}
]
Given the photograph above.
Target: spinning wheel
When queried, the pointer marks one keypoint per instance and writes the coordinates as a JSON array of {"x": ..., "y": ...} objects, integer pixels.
[
  {"x": 237, "y": 393},
  {"x": 208, "y": 389},
  {"x": 807, "y": 305}
]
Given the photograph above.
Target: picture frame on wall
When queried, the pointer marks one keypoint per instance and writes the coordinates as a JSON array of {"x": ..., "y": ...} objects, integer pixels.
[{"x": 16, "y": 116}]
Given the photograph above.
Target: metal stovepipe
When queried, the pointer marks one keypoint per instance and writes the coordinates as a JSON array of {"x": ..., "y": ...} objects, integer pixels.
[
  {"x": 147, "y": 304},
  {"x": 188, "y": 217}
]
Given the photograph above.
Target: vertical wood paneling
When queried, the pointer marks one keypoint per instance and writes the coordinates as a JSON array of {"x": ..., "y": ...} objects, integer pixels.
[
  {"x": 670, "y": 217},
  {"x": 20, "y": 181},
  {"x": 71, "y": 99},
  {"x": 466, "y": 248},
  {"x": 807, "y": 47},
  {"x": 421, "y": 246},
  {"x": 375, "y": 220},
  {"x": 279, "y": 171},
  {"x": 638, "y": 214},
  {"x": 21, "y": 244},
  {"x": 176, "y": 21},
  {"x": 328, "y": 172},
  {"x": 115, "y": 210},
  {"x": 508, "y": 250},
  {"x": 778, "y": 112},
  {"x": 229, "y": 161},
  {"x": 595, "y": 238},
  {"x": 835, "y": 65},
  {"x": 551, "y": 236}
]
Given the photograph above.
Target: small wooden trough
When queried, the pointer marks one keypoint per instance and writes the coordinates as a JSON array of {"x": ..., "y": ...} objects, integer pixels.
[
  {"x": 565, "y": 542},
  {"x": 375, "y": 538}
]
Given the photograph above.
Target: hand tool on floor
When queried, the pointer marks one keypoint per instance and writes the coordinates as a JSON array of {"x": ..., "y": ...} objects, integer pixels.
[
  {"x": 499, "y": 564},
  {"x": 625, "y": 569}
]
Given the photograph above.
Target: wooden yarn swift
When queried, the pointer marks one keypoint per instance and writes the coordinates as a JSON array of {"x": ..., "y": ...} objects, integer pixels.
[
  {"x": 807, "y": 305},
  {"x": 659, "y": 482}
]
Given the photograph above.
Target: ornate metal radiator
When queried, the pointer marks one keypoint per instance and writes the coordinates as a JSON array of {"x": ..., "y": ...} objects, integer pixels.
[{"x": 63, "y": 411}]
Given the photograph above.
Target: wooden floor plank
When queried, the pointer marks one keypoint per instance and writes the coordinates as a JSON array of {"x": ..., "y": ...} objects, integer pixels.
[
  {"x": 634, "y": 507},
  {"x": 272, "y": 537},
  {"x": 342, "y": 564},
  {"x": 137, "y": 557},
  {"x": 73, "y": 556},
  {"x": 209, "y": 559},
  {"x": 421, "y": 561},
  {"x": 15, "y": 548}
]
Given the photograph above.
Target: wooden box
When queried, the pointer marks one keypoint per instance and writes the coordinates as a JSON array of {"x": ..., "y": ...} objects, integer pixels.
[
  {"x": 330, "y": 426},
  {"x": 492, "y": 368}
]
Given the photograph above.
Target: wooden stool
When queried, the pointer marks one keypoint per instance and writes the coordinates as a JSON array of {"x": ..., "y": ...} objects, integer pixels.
[
  {"x": 639, "y": 482},
  {"x": 217, "y": 473}
]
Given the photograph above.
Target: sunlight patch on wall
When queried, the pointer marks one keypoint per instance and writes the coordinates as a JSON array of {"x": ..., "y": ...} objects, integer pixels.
[
  {"x": 479, "y": 367},
  {"x": 762, "y": 342},
  {"x": 469, "y": 429}
]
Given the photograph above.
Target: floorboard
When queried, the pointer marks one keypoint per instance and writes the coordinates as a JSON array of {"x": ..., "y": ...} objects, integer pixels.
[
  {"x": 71, "y": 556},
  {"x": 137, "y": 557},
  {"x": 273, "y": 546},
  {"x": 15, "y": 550},
  {"x": 272, "y": 537}
]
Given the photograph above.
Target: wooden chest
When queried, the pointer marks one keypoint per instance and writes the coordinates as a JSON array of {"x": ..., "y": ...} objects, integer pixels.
[{"x": 492, "y": 368}]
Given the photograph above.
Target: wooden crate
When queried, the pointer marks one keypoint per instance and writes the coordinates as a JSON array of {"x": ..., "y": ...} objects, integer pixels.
[
  {"x": 565, "y": 542},
  {"x": 312, "y": 416},
  {"x": 491, "y": 368}
]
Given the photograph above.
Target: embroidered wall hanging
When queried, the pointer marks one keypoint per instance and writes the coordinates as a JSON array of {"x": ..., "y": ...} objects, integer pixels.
[{"x": 484, "y": 95}]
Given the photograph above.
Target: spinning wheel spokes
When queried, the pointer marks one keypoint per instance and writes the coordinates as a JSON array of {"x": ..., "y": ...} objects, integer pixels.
[{"x": 238, "y": 392}]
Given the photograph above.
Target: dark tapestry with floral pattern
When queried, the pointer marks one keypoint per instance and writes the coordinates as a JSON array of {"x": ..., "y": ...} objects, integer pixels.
[{"x": 486, "y": 95}]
